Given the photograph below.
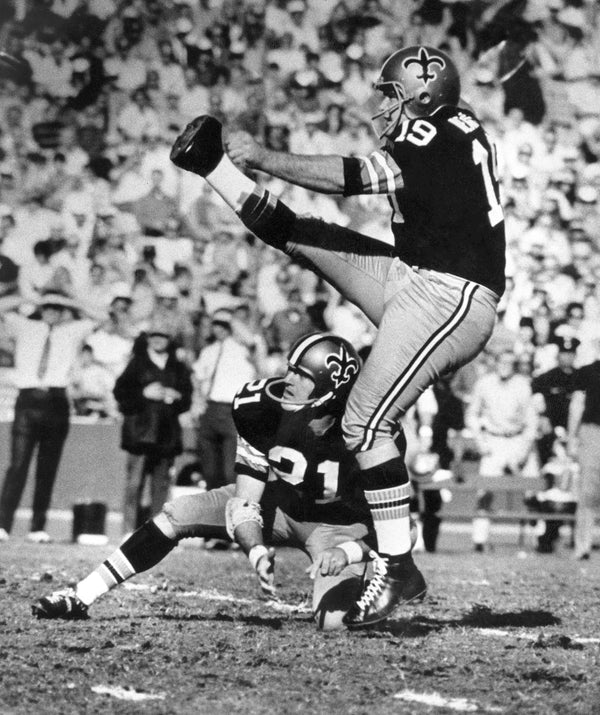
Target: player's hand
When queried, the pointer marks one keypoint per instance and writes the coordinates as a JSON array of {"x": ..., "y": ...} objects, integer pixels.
[
  {"x": 243, "y": 150},
  {"x": 265, "y": 570},
  {"x": 171, "y": 395},
  {"x": 154, "y": 391},
  {"x": 330, "y": 562}
]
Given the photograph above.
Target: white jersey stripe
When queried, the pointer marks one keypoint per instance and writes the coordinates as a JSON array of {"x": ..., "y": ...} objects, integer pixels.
[
  {"x": 388, "y": 180},
  {"x": 247, "y": 454},
  {"x": 373, "y": 178}
]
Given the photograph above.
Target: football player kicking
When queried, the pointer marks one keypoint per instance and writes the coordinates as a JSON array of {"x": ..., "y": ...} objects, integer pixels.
[
  {"x": 433, "y": 296},
  {"x": 296, "y": 486}
]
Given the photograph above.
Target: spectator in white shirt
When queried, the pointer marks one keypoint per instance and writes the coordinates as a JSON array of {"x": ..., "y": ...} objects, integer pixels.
[
  {"x": 221, "y": 369},
  {"x": 138, "y": 118},
  {"x": 91, "y": 387},
  {"x": 46, "y": 349}
]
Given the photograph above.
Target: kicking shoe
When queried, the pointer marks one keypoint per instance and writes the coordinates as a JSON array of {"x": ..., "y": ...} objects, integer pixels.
[
  {"x": 199, "y": 148},
  {"x": 4, "y": 535},
  {"x": 392, "y": 585},
  {"x": 39, "y": 537},
  {"x": 61, "y": 604}
]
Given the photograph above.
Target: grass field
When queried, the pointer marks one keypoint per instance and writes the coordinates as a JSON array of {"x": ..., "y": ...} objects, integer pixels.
[{"x": 499, "y": 633}]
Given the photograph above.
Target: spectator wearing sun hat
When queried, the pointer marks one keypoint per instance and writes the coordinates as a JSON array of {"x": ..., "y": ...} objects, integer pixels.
[{"x": 46, "y": 347}]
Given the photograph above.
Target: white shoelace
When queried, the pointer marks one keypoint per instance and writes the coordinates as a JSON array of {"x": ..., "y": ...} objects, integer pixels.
[
  {"x": 65, "y": 595},
  {"x": 376, "y": 583}
]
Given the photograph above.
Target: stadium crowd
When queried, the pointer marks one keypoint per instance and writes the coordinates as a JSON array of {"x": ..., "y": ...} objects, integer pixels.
[{"x": 91, "y": 206}]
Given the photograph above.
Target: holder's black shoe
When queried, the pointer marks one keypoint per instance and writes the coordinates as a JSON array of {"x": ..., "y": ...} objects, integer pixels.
[
  {"x": 61, "y": 604},
  {"x": 199, "y": 148},
  {"x": 393, "y": 585}
]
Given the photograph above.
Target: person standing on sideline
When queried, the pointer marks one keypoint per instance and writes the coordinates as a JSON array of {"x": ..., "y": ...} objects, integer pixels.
[
  {"x": 220, "y": 370},
  {"x": 502, "y": 417},
  {"x": 47, "y": 346},
  {"x": 583, "y": 444},
  {"x": 433, "y": 296},
  {"x": 152, "y": 391},
  {"x": 555, "y": 388}
]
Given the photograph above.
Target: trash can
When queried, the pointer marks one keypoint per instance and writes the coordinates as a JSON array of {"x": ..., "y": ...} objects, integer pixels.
[{"x": 89, "y": 521}]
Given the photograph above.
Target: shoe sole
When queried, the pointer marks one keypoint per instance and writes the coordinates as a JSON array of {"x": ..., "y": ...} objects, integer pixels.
[
  {"x": 193, "y": 133},
  {"x": 419, "y": 597}
]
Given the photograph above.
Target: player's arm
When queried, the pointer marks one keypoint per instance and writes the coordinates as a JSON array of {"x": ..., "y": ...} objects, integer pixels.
[
  {"x": 377, "y": 173},
  {"x": 318, "y": 173},
  {"x": 243, "y": 513}
]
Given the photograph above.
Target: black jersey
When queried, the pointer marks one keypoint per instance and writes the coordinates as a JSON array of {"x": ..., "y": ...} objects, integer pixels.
[
  {"x": 556, "y": 386},
  {"x": 587, "y": 378},
  {"x": 276, "y": 444},
  {"x": 440, "y": 176}
]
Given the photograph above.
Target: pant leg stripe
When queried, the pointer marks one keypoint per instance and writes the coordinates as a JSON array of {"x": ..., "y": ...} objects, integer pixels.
[{"x": 432, "y": 343}]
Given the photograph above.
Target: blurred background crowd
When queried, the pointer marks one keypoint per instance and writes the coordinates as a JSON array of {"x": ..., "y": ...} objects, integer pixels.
[{"x": 91, "y": 207}]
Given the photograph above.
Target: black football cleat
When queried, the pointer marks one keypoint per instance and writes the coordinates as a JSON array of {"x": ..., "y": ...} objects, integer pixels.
[
  {"x": 392, "y": 586},
  {"x": 61, "y": 604},
  {"x": 199, "y": 148}
]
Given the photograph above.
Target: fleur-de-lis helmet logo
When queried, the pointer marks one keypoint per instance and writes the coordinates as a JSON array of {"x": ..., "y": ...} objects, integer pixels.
[
  {"x": 342, "y": 366},
  {"x": 426, "y": 62}
]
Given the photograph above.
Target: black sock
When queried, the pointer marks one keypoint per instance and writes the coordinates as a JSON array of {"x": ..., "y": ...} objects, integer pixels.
[
  {"x": 267, "y": 217},
  {"x": 146, "y": 547},
  {"x": 388, "y": 474}
]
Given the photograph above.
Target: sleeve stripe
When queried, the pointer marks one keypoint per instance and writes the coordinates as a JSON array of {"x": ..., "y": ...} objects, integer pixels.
[
  {"x": 247, "y": 454},
  {"x": 373, "y": 183},
  {"x": 380, "y": 174},
  {"x": 388, "y": 174},
  {"x": 249, "y": 472}
]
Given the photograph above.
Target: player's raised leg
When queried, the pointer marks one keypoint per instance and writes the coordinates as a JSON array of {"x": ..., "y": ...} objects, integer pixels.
[
  {"x": 353, "y": 263},
  {"x": 195, "y": 515}
]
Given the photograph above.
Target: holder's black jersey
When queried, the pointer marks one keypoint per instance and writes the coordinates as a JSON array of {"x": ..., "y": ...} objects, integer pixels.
[
  {"x": 440, "y": 176},
  {"x": 276, "y": 444}
]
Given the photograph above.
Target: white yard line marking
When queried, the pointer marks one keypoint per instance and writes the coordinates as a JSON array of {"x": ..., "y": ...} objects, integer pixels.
[
  {"x": 529, "y": 636},
  {"x": 439, "y": 701},
  {"x": 212, "y": 595},
  {"x": 117, "y": 691}
]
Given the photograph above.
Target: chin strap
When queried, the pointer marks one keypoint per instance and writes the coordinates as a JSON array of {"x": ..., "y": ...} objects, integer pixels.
[{"x": 315, "y": 402}]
